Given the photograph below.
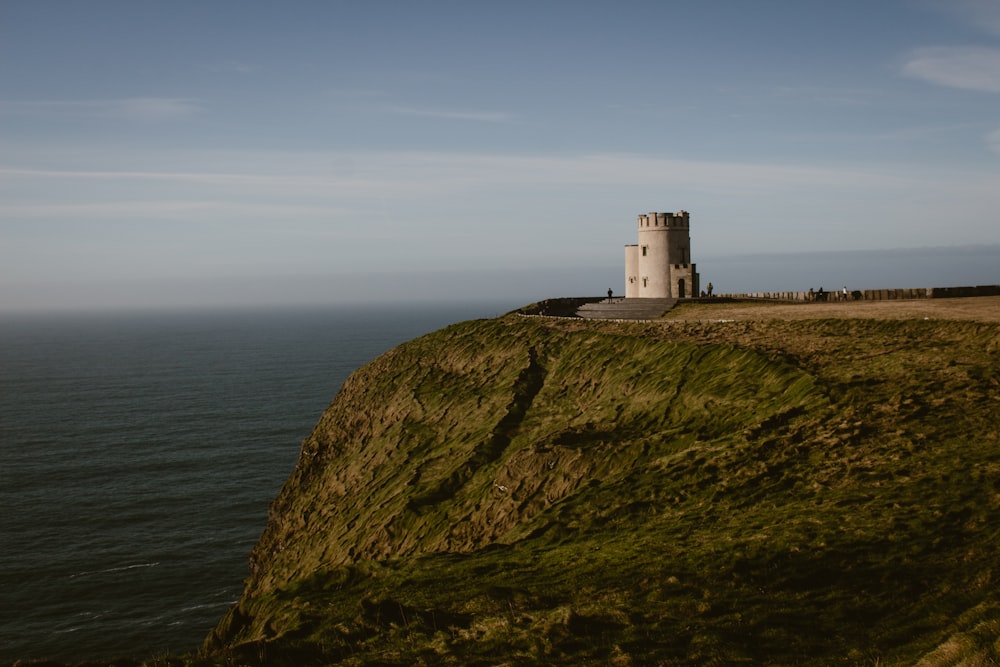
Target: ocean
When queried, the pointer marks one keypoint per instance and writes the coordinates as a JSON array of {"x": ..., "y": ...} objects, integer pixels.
[{"x": 138, "y": 455}]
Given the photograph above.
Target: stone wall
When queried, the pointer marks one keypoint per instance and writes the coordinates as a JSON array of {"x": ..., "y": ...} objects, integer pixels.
[
  {"x": 874, "y": 294},
  {"x": 559, "y": 307},
  {"x": 978, "y": 290}
]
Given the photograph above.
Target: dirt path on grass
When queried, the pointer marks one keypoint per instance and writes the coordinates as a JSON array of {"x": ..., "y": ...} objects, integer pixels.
[{"x": 984, "y": 308}]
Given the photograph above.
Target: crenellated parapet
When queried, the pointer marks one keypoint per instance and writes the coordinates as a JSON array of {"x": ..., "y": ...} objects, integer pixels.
[{"x": 654, "y": 220}]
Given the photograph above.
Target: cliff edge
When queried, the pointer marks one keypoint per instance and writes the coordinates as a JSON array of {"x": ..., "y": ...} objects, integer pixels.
[{"x": 543, "y": 491}]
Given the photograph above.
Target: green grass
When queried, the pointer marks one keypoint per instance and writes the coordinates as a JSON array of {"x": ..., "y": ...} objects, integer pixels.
[{"x": 525, "y": 491}]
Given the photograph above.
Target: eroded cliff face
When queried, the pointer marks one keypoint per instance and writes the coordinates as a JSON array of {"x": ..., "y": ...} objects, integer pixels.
[
  {"x": 620, "y": 451},
  {"x": 463, "y": 438}
]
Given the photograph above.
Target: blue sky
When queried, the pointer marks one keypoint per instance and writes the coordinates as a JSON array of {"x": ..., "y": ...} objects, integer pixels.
[{"x": 204, "y": 153}]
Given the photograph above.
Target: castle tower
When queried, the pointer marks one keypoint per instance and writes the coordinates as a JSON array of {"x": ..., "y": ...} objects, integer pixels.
[{"x": 659, "y": 266}]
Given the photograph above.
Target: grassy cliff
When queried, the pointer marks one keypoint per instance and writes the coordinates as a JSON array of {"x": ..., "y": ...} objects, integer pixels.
[{"x": 541, "y": 491}]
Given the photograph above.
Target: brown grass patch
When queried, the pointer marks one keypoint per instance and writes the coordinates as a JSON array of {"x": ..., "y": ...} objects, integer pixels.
[{"x": 984, "y": 308}]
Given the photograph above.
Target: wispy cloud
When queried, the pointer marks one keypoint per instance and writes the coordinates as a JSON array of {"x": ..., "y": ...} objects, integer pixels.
[
  {"x": 355, "y": 93},
  {"x": 201, "y": 210},
  {"x": 964, "y": 67},
  {"x": 154, "y": 108},
  {"x": 129, "y": 108},
  {"x": 825, "y": 95},
  {"x": 993, "y": 140},
  {"x": 984, "y": 14},
  {"x": 234, "y": 66},
  {"x": 483, "y": 116},
  {"x": 349, "y": 176},
  {"x": 185, "y": 176}
]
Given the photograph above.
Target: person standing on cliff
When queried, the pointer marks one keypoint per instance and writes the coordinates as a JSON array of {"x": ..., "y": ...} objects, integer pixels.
[{"x": 609, "y": 294}]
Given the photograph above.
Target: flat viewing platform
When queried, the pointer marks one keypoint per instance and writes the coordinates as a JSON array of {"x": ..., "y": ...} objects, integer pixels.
[
  {"x": 620, "y": 308},
  {"x": 756, "y": 304}
]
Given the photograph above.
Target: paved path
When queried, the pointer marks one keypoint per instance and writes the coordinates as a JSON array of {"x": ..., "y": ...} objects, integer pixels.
[{"x": 626, "y": 309}]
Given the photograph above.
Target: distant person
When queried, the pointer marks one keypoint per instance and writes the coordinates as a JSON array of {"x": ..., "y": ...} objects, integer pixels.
[
  {"x": 710, "y": 289},
  {"x": 610, "y": 293},
  {"x": 845, "y": 292}
]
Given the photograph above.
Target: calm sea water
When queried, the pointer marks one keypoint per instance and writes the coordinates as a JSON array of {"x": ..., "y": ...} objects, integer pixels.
[{"x": 138, "y": 454}]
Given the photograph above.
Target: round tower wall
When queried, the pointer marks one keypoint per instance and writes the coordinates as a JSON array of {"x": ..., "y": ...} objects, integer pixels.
[
  {"x": 664, "y": 241},
  {"x": 631, "y": 271},
  {"x": 654, "y": 265}
]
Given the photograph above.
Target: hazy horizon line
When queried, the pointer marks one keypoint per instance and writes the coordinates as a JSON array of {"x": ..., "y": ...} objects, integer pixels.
[{"x": 891, "y": 268}]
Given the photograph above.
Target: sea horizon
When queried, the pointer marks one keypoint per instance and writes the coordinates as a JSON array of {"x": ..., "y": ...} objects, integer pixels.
[{"x": 140, "y": 451}]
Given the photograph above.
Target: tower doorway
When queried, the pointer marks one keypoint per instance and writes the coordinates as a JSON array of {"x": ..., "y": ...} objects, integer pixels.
[{"x": 680, "y": 289}]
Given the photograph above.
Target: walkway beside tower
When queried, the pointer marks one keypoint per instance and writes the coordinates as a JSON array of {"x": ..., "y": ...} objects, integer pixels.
[{"x": 626, "y": 309}]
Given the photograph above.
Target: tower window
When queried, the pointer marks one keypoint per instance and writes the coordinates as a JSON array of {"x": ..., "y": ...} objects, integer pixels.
[{"x": 644, "y": 250}]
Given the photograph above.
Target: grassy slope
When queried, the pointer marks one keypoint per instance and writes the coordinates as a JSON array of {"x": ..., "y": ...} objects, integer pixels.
[{"x": 524, "y": 490}]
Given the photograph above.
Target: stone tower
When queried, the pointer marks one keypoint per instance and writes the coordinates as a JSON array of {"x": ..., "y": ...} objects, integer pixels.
[{"x": 659, "y": 266}]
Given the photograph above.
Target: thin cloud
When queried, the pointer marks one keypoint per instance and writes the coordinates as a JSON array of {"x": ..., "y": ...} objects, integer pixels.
[
  {"x": 993, "y": 140},
  {"x": 186, "y": 176},
  {"x": 418, "y": 171},
  {"x": 307, "y": 181},
  {"x": 984, "y": 14},
  {"x": 151, "y": 208},
  {"x": 231, "y": 66},
  {"x": 336, "y": 190},
  {"x": 129, "y": 108},
  {"x": 826, "y": 95},
  {"x": 154, "y": 108},
  {"x": 963, "y": 67},
  {"x": 355, "y": 93},
  {"x": 472, "y": 169},
  {"x": 483, "y": 116}
]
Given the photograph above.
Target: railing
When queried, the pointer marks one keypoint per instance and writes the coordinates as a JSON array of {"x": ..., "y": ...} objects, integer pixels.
[{"x": 869, "y": 294}]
